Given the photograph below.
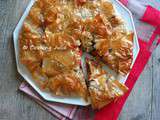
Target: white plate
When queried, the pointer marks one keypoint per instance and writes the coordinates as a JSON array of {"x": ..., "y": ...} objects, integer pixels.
[{"x": 126, "y": 15}]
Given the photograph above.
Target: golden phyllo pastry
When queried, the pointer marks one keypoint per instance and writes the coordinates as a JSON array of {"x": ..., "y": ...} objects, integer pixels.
[
  {"x": 69, "y": 83},
  {"x": 56, "y": 32},
  {"x": 103, "y": 87},
  {"x": 116, "y": 51},
  {"x": 52, "y": 55}
]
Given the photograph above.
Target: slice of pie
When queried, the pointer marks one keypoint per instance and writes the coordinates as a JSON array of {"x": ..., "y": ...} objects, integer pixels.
[
  {"x": 116, "y": 51},
  {"x": 70, "y": 83},
  {"x": 103, "y": 87}
]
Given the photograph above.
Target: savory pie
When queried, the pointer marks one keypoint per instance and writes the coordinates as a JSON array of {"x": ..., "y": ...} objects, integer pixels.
[{"x": 56, "y": 32}]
